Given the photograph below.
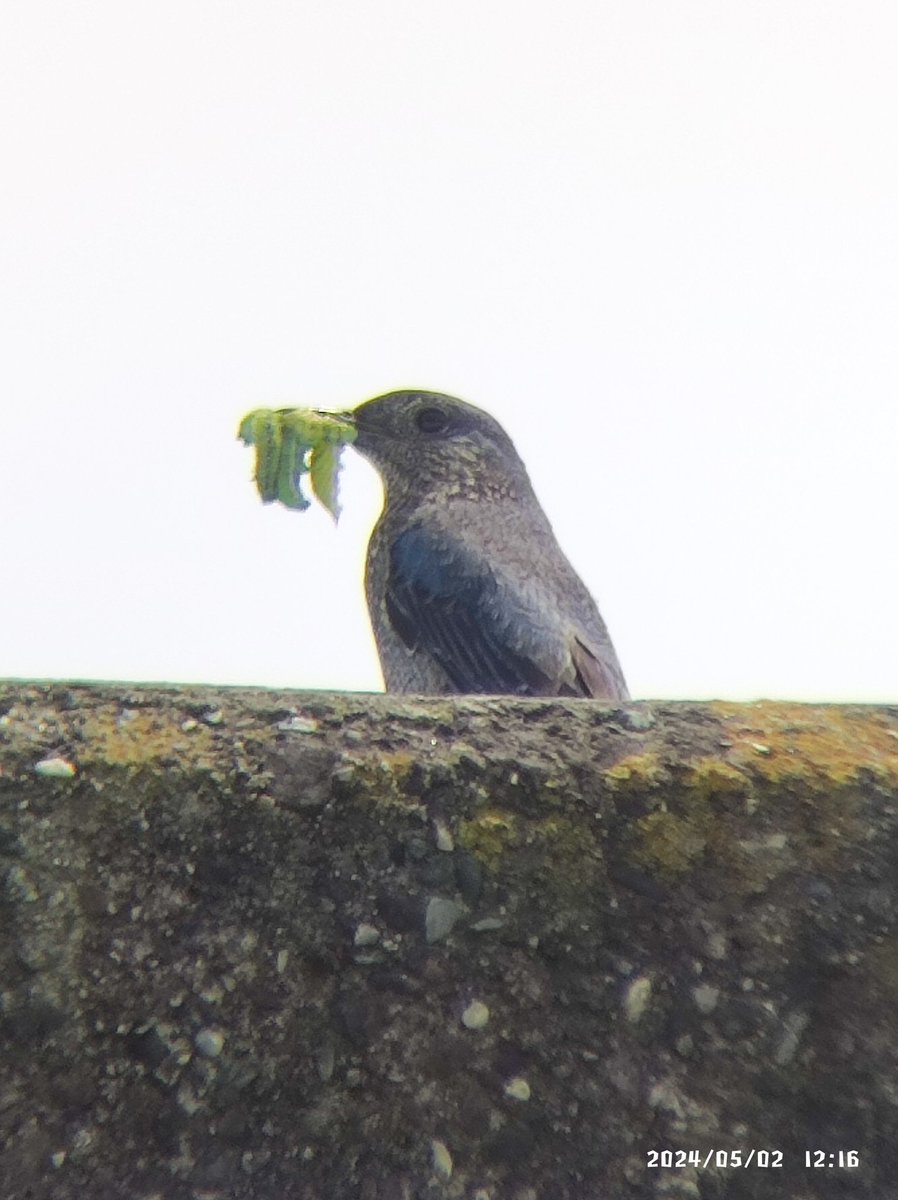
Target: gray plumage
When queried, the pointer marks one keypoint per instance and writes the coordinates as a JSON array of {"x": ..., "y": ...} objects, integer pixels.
[{"x": 467, "y": 587}]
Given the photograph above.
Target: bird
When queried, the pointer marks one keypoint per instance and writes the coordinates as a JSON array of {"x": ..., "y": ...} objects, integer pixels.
[{"x": 467, "y": 587}]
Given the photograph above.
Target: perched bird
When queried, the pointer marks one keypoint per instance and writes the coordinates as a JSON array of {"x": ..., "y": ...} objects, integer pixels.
[{"x": 467, "y": 587}]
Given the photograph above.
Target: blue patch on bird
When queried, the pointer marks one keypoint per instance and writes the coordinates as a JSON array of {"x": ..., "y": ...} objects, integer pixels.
[{"x": 420, "y": 561}]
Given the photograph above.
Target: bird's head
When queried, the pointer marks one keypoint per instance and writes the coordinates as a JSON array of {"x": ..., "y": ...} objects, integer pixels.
[{"x": 424, "y": 442}]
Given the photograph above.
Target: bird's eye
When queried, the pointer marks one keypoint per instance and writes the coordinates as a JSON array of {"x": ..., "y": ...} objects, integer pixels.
[{"x": 432, "y": 420}]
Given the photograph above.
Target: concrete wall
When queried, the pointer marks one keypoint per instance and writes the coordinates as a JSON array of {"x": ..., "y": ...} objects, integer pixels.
[{"x": 327, "y": 946}]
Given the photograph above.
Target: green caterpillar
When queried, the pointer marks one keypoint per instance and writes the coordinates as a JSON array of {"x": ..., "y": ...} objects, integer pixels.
[{"x": 292, "y": 442}]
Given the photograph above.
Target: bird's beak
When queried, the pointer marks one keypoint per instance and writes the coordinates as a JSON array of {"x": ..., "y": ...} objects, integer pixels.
[
  {"x": 363, "y": 425},
  {"x": 341, "y": 416}
]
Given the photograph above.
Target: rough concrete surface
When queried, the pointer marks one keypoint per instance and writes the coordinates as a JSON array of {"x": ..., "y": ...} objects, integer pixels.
[{"x": 310, "y": 946}]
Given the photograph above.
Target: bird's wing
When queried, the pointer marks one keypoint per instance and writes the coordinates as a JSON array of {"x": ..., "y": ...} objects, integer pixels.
[{"x": 444, "y": 599}]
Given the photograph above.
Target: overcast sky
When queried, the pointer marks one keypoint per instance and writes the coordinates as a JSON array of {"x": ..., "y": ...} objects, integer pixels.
[{"x": 658, "y": 241}]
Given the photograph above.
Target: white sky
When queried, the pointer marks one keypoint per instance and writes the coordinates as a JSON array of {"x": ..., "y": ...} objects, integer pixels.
[{"x": 659, "y": 241}]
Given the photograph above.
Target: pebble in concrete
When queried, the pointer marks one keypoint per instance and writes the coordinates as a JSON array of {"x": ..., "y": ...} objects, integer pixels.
[
  {"x": 440, "y": 918},
  {"x": 442, "y": 1159},
  {"x": 209, "y": 1042},
  {"x": 517, "y": 1089},
  {"x": 366, "y": 935},
  {"x": 475, "y": 1015},
  {"x": 55, "y": 768}
]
